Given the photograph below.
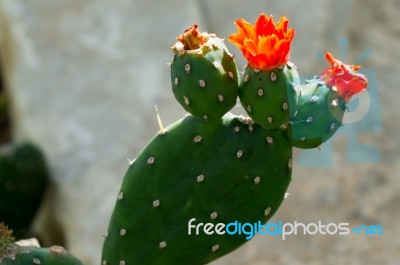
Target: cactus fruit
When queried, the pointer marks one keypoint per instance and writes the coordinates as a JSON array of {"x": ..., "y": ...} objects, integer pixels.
[
  {"x": 204, "y": 75},
  {"x": 23, "y": 180},
  {"x": 318, "y": 115},
  {"x": 270, "y": 96},
  {"x": 213, "y": 170},
  {"x": 319, "y": 112},
  {"x": 224, "y": 171},
  {"x": 269, "y": 87}
]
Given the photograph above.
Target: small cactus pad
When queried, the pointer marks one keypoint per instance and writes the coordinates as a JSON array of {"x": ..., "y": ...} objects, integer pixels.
[
  {"x": 270, "y": 97},
  {"x": 54, "y": 255},
  {"x": 23, "y": 180},
  {"x": 205, "y": 78},
  {"x": 318, "y": 115},
  {"x": 220, "y": 172}
]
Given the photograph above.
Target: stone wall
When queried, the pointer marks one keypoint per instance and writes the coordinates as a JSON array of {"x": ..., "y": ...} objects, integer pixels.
[{"x": 84, "y": 77}]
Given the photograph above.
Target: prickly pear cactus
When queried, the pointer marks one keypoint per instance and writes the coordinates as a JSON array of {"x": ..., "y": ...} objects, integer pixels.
[
  {"x": 23, "y": 180},
  {"x": 12, "y": 253},
  {"x": 208, "y": 170},
  {"x": 204, "y": 75},
  {"x": 228, "y": 170},
  {"x": 55, "y": 255}
]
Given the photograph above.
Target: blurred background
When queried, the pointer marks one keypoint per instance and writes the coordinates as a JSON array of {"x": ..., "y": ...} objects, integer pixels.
[{"x": 81, "y": 79}]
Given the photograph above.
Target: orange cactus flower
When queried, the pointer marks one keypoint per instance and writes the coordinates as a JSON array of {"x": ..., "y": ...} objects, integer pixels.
[
  {"x": 344, "y": 77},
  {"x": 265, "y": 45}
]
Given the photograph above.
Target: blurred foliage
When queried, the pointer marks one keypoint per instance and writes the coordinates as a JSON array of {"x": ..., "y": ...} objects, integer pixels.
[
  {"x": 6, "y": 238},
  {"x": 23, "y": 181}
]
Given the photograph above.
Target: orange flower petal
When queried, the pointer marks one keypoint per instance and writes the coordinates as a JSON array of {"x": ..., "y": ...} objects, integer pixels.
[
  {"x": 246, "y": 30},
  {"x": 264, "y": 25},
  {"x": 344, "y": 77},
  {"x": 251, "y": 46},
  {"x": 265, "y": 45}
]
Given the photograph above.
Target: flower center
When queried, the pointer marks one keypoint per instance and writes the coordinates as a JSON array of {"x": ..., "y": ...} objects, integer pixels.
[{"x": 192, "y": 38}]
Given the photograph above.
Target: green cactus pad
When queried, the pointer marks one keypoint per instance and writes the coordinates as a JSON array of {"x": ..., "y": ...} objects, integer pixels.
[
  {"x": 205, "y": 80},
  {"x": 220, "y": 172},
  {"x": 318, "y": 115},
  {"x": 54, "y": 255},
  {"x": 270, "y": 97},
  {"x": 23, "y": 180}
]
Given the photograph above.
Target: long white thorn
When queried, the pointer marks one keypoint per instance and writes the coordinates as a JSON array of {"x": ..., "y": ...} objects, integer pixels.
[{"x": 162, "y": 130}]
